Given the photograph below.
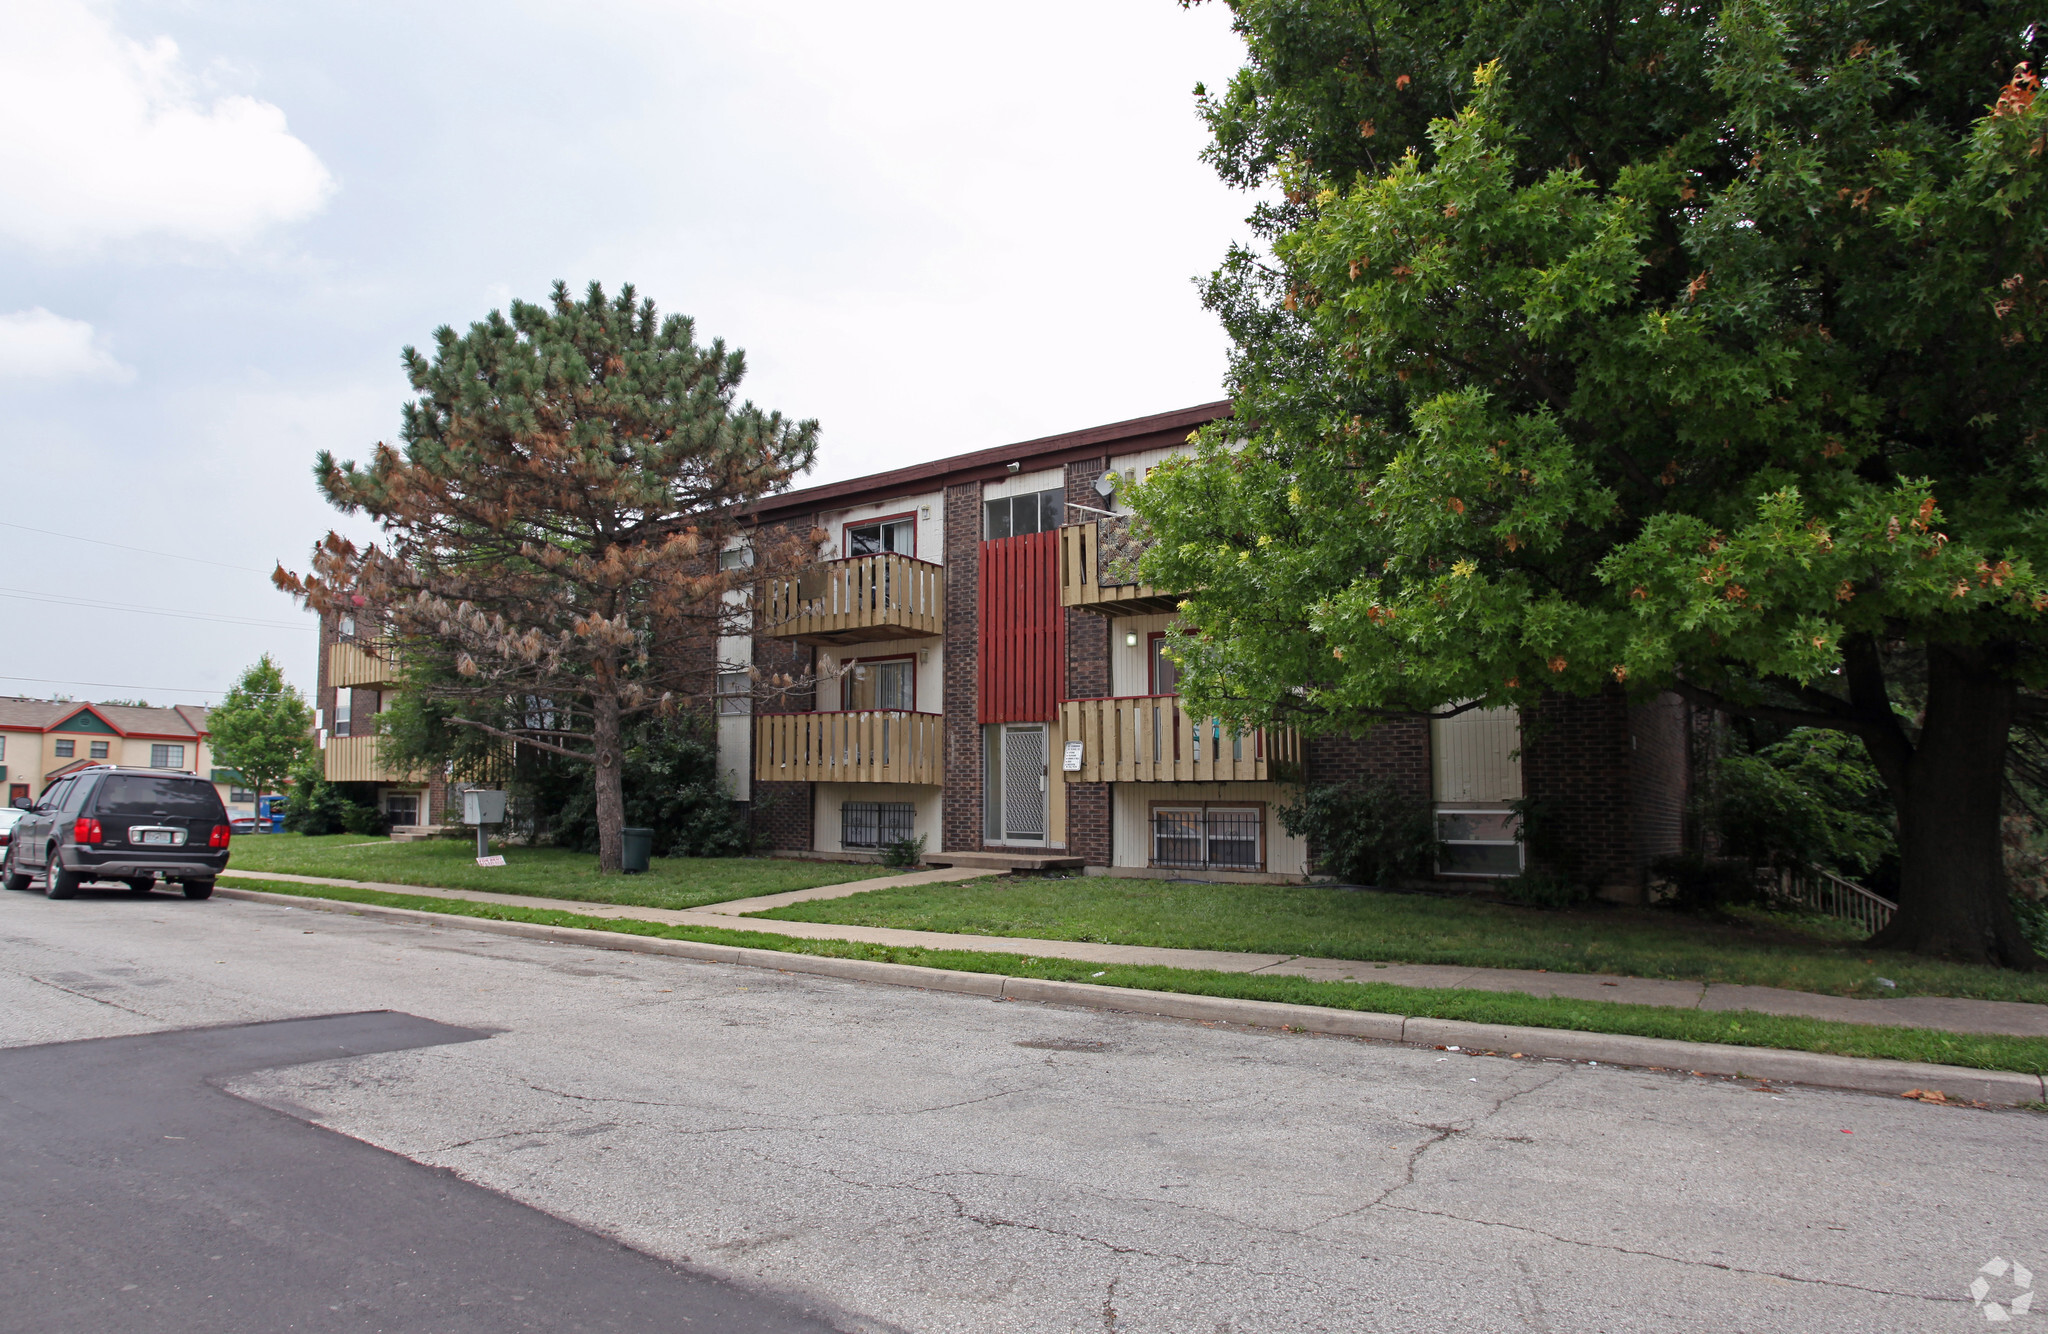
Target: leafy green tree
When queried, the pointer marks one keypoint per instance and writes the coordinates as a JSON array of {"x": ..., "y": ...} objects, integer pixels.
[
  {"x": 263, "y": 729},
  {"x": 548, "y": 568},
  {"x": 1640, "y": 347}
]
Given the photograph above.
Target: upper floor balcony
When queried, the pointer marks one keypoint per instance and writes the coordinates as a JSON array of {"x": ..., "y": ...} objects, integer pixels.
[
  {"x": 853, "y": 746},
  {"x": 858, "y": 600},
  {"x": 354, "y": 759},
  {"x": 361, "y": 662},
  {"x": 1098, "y": 570},
  {"x": 1152, "y": 739}
]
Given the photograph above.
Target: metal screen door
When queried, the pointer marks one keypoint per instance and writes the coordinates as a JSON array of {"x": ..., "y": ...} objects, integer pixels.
[{"x": 1024, "y": 795}]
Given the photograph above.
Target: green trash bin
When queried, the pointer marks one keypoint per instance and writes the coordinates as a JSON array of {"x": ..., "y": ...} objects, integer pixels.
[{"x": 639, "y": 846}]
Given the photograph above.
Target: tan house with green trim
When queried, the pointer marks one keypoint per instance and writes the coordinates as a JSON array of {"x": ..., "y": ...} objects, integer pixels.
[{"x": 41, "y": 740}]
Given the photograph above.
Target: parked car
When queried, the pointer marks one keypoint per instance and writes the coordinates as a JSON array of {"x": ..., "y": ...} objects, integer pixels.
[
  {"x": 243, "y": 824},
  {"x": 132, "y": 825},
  {"x": 9, "y": 816}
]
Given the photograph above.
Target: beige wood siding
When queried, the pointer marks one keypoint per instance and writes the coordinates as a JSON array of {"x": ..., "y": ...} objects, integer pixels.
[{"x": 1476, "y": 756}]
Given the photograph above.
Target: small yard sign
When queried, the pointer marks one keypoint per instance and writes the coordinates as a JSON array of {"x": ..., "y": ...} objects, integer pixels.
[
  {"x": 1072, "y": 762},
  {"x": 491, "y": 861}
]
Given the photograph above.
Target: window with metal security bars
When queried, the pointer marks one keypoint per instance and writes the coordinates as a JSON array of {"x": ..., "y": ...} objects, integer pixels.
[
  {"x": 875, "y": 824},
  {"x": 1214, "y": 838},
  {"x": 166, "y": 757}
]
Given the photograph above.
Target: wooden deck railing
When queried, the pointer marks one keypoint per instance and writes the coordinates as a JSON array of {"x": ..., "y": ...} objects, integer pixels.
[
  {"x": 1832, "y": 895},
  {"x": 1152, "y": 739},
  {"x": 354, "y": 759},
  {"x": 853, "y": 601},
  {"x": 855, "y": 746},
  {"x": 361, "y": 663},
  {"x": 1090, "y": 565}
]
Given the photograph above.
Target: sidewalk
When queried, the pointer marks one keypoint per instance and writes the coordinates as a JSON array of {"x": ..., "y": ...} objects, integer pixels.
[{"x": 2012, "y": 1018}]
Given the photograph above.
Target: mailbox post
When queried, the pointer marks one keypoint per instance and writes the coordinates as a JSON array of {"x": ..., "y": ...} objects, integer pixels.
[{"x": 482, "y": 808}]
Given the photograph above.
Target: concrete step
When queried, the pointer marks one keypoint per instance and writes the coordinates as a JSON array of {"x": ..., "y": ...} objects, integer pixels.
[
  {"x": 1004, "y": 861},
  {"x": 419, "y": 833}
]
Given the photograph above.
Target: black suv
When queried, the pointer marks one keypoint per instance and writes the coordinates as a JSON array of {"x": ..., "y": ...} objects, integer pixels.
[{"x": 131, "y": 825}]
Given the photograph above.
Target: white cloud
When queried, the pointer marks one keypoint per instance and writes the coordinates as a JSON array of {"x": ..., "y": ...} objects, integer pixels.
[
  {"x": 38, "y": 345},
  {"x": 104, "y": 139}
]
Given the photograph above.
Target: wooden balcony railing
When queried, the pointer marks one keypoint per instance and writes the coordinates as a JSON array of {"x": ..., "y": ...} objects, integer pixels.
[
  {"x": 361, "y": 662},
  {"x": 855, "y": 746},
  {"x": 1152, "y": 739},
  {"x": 1094, "y": 557},
  {"x": 353, "y": 759},
  {"x": 854, "y": 601}
]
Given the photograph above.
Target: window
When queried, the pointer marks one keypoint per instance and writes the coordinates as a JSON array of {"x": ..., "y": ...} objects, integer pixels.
[
  {"x": 735, "y": 692},
  {"x": 875, "y": 824},
  {"x": 893, "y": 534},
  {"x": 1163, "y": 671},
  {"x": 402, "y": 808},
  {"x": 739, "y": 558},
  {"x": 1014, "y": 516},
  {"x": 75, "y": 795},
  {"x": 66, "y": 748},
  {"x": 344, "y": 705},
  {"x": 133, "y": 794},
  {"x": 241, "y": 795},
  {"x": 99, "y": 750},
  {"x": 53, "y": 795},
  {"x": 1478, "y": 842},
  {"x": 3, "y": 748},
  {"x": 348, "y": 627},
  {"x": 889, "y": 683},
  {"x": 166, "y": 757},
  {"x": 1208, "y": 838}
]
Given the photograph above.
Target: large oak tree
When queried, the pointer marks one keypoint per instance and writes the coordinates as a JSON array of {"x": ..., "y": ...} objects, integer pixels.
[
  {"x": 551, "y": 526},
  {"x": 1639, "y": 346}
]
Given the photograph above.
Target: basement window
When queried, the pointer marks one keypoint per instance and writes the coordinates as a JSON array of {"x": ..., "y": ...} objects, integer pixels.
[{"x": 875, "y": 824}]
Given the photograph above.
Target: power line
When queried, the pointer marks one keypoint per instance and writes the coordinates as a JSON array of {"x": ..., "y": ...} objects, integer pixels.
[
  {"x": 112, "y": 685},
  {"x": 121, "y": 546},
  {"x": 92, "y": 605}
]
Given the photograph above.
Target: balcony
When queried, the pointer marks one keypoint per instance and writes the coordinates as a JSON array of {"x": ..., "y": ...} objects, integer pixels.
[
  {"x": 857, "y": 601},
  {"x": 1096, "y": 559},
  {"x": 1152, "y": 739},
  {"x": 353, "y": 759},
  {"x": 855, "y": 746},
  {"x": 361, "y": 662}
]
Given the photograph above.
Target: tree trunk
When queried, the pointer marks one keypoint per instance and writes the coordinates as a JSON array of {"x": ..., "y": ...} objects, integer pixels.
[
  {"x": 1952, "y": 889},
  {"x": 611, "y": 794}
]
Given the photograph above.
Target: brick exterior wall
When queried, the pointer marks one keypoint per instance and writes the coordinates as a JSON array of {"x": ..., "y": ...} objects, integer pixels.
[
  {"x": 1088, "y": 636},
  {"x": 1397, "y": 749},
  {"x": 1576, "y": 771},
  {"x": 1660, "y": 781},
  {"x": 780, "y": 814},
  {"x": 961, "y": 825}
]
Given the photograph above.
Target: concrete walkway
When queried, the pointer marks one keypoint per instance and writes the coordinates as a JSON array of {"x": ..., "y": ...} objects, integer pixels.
[{"x": 1939, "y": 1012}]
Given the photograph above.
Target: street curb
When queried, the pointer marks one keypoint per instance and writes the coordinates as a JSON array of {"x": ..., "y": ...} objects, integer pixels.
[{"x": 1854, "y": 1073}]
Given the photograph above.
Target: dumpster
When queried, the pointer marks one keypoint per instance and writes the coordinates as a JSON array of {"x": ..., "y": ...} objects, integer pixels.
[{"x": 639, "y": 846}]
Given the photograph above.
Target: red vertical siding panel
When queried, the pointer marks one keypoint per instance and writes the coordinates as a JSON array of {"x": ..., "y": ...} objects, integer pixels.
[{"x": 1021, "y": 628}]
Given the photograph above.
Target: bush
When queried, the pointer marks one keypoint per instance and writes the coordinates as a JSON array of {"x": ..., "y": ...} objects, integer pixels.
[
  {"x": 1707, "y": 884},
  {"x": 364, "y": 820},
  {"x": 904, "y": 852},
  {"x": 1544, "y": 889},
  {"x": 670, "y": 774},
  {"x": 1812, "y": 798},
  {"x": 320, "y": 807},
  {"x": 1366, "y": 833}
]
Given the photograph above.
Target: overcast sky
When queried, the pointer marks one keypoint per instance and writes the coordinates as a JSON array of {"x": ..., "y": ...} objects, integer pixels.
[{"x": 933, "y": 226}]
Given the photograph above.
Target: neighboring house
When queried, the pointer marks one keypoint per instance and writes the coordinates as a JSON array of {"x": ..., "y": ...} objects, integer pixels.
[
  {"x": 357, "y": 681},
  {"x": 991, "y": 681},
  {"x": 40, "y": 740}
]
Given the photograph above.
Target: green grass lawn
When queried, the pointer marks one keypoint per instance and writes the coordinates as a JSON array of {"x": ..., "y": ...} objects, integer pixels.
[
  {"x": 670, "y": 882},
  {"x": 1741, "y": 1028},
  {"x": 1757, "y": 948}
]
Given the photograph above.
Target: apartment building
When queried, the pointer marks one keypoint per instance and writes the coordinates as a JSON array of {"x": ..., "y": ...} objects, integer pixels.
[
  {"x": 358, "y": 679},
  {"x": 990, "y": 678},
  {"x": 42, "y": 740}
]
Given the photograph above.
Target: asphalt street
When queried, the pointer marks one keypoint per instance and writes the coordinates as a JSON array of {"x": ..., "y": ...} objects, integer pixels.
[{"x": 775, "y": 1147}]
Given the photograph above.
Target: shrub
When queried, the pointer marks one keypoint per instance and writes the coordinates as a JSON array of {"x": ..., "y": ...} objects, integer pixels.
[
  {"x": 904, "y": 852},
  {"x": 670, "y": 773},
  {"x": 1707, "y": 884},
  {"x": 364, "y": 820},
  {"x": 1366, "y": 832},
  {"x": 1544, "y": 889},
  {"x": 1813, "y": 798}
]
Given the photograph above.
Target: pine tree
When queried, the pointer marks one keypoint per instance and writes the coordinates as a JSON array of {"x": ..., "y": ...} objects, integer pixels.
[{"x": 551, "y": 526}]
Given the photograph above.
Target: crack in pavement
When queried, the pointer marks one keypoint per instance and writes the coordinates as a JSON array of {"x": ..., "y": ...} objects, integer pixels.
[
  {"x": 86, "y": 995},
  {"x": 1673, "y": 1259}
]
